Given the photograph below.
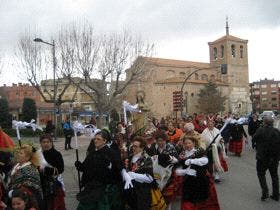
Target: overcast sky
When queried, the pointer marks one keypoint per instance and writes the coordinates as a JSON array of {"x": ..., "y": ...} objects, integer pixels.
[{"x": 180, "y": 29}]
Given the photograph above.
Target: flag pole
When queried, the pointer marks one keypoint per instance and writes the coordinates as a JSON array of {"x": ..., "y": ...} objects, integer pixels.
[{"x": 77, "y": 158}]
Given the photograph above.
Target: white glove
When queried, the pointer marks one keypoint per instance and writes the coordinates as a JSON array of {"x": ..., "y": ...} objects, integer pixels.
[
  {"x": 128, "y": 184},
  {"x": 188, "y": 162},
  {"x": 142, "y": 178},
  {"x": 10, "y": 193},
  {"x": 173, "y": 160},
  {"x": 110, "y": 166},
  {"x": 181, "y": 172}
]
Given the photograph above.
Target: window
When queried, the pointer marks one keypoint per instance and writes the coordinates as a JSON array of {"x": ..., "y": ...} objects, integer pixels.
[
  {"x": 263, "y": 86},
  {"x": 233, "y": 50},
  {"x": 273, "y": 99},
  {"x": 196, "y": 76},
  {"x": 170, "y": 73},
  {"x": 264, "y": 99},
  {"x": 273, "y": 85},
  {"x": 274, "y": 105},
  {"x": 212, "y": 77},
  {"x": 182, "y": 74},
  {"x": 241, "y": 51},
  {"x": 256, "y": 86},
  {"x": 215, "y": 53},
  {"x": 264, "y": 92},
  {"x": 204, "y": 77},
  {"x": 273, "y": 92},
  {"x": 257, "y": 92},
  {"x": 222, "y": 51}
]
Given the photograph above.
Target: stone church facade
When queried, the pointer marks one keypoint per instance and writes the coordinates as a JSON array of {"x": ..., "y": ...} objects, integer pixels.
[{"x": 161, "y": 77}]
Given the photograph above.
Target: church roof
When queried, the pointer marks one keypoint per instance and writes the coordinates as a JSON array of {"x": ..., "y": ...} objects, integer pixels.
[
  {"x": 176, "y": 63},
  {"x": 181, "y": 80},
  {"x": 230, "y": 38}
]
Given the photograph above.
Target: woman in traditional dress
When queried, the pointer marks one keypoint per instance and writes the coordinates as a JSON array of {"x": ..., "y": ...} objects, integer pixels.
[
  {"x": 140, "y": 169},
  {"x": 237, "y": 133},
  {"x": 199, "y": 192},
  {"x": 25, "y": 175},
  {"x": 164, "y": 156},
  {"x": 101, "y": 177},
  {"x": 215, "y": 152},
  {"x": 52, "y": 166}
]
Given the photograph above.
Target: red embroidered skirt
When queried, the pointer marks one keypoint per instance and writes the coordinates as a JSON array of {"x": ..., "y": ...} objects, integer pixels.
[
  {"x": 173, "y": 189},
  {"x": 210, "y": 204},
  {"x": 236, "y": 146}
]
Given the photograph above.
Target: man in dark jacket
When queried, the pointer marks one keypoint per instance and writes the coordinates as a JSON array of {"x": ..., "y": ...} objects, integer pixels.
[
  {"x": 253, "y": 125},
  {"x": 267, "y": 143}
]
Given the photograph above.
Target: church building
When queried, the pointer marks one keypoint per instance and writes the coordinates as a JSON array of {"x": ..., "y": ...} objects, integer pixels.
[{"x": 162, "y": 78}]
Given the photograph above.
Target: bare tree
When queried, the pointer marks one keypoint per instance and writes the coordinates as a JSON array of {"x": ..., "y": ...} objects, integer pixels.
[
  {"x": 103, "y": 60},
  {"x": 96, "y": 64},
  {"x": 36, "y": 63}
]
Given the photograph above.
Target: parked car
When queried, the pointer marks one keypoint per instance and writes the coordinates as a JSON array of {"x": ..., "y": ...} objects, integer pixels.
[{"x": 267, "y": 114}]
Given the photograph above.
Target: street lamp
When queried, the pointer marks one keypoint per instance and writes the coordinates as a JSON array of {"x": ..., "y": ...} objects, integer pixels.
[
  {"x": 54, "y": 86},
  {"x": 223, "y": 69}
]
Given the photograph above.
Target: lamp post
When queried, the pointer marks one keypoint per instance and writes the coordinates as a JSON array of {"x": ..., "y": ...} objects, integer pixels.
[
  {"x": 54, "y": 86},
  {"x": 223, "y": 69}
]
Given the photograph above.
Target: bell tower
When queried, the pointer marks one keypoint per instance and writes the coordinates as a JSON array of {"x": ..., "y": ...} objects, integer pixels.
[{"x": 233, "y": 51}]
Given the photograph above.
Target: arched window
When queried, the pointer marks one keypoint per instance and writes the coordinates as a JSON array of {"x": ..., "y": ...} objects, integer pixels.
[
  {"x": 170, "y": 73},
  {"x": 215, "y": 53},
  {"x": 233, "y": 50},
  {"x": 212, "y": 77},
  {"x": 204, "y": 77},
  {"x": 241, "y": 51},
  {"x": 196, "y": 76},
  {"x": 222, "y": 51},
  {"x": 182, "y": 74}
]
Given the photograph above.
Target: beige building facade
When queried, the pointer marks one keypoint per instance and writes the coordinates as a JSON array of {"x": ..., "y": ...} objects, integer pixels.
[
  {"x": 78, "y": 103},
  {"x": 161, "y": 77}
]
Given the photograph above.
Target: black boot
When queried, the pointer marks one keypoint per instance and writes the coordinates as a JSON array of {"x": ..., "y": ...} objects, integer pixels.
[
  {"x": 69, "y": 143},
  {"x": 66, "y": 144}
]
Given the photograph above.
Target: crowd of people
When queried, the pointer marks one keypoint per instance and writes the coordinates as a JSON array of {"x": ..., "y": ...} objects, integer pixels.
[{"x": 170, "y": 161}]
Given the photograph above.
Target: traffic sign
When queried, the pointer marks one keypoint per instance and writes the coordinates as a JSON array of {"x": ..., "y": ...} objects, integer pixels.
[{"x": 177, "y": 100}]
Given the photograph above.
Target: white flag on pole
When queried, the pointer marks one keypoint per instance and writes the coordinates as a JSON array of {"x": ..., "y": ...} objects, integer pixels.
[{"x": 129, "y": 107}]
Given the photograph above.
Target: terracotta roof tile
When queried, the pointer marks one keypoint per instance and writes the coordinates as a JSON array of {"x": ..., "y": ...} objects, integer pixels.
[{"x": 176, "y": 63}]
